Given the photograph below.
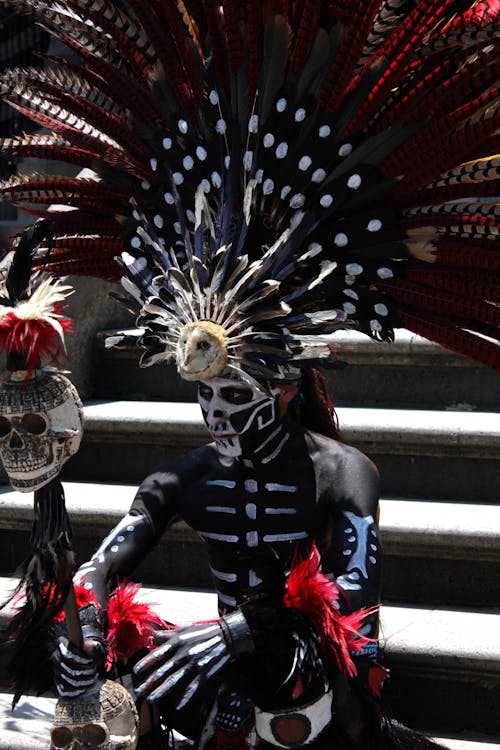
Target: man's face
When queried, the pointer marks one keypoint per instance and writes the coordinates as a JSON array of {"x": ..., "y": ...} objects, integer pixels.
[{"x": 239, "y": 418}]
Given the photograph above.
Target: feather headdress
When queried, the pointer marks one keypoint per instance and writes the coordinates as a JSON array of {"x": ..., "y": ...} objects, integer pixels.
[{"x": 292, "y": 167}]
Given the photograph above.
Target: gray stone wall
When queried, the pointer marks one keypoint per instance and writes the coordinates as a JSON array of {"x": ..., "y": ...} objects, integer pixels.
[{"x": 91, "y": 310}]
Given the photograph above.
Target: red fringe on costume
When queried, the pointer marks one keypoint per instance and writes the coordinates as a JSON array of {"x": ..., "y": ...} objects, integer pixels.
[
  {"x": 316, "y": 597},
  {"x": 130, "y": 624}
]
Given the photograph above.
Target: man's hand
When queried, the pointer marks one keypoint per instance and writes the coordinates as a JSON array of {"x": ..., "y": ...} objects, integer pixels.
[
  {"x": 75, "y": 670},
  {"x": 191, "y": 657}
]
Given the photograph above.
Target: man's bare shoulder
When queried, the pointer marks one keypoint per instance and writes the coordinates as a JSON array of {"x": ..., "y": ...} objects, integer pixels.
[
  {"x": 340, "y": 458},
  {"x": 184, "y": 468}
]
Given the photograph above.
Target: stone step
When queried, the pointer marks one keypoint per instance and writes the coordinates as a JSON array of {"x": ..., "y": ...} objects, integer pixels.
[
  {"x": 434, "y": 552},
  {"x": 411, "y": 372},
  {"x": 445, "y": 664},
  {"x": 419, "y": 453}
]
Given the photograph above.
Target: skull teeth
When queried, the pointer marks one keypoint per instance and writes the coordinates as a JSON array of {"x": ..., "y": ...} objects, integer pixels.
[
  {"x": 25, "y": 465},
  {"x": 218, "y": 427},
  {"x": 225, "y": 442}
]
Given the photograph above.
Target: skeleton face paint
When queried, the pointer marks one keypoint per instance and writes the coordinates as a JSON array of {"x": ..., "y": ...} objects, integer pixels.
[
  {"x": 239, "y": 418},
  {"x": 104, "y": 718},
  {"x": 40, "y": 427}
]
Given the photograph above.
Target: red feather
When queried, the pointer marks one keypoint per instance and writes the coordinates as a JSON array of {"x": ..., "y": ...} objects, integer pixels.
[
  {"x": 128, "y": 45},
  {"x": 439, "y": 90},
  {"x": 484, "y": 12},
  {"x": 254, "y": 42},
  {"x": 34, "y": 339},
  {"x": 77, "y": 222},
  {"x": 164, "y": 46},
  {"x": 316, "y": 597},
  {"x": 125, "y": 89},
  {"x": 401, "y": 50},
  {"x": 219, "y": 49},
  {"x": 305, "y": 34},
  {"x": 422, "y": 300},
  {"x": 475, "y": 284},
  {"x": 114, "y": 156},
  {"x": 183, "y": 53},
  {"x": 450, "y": 192},
  {"x": 233, "y": 34},
  {"x": 460, "y": 341},
  {"x": 83, "y": 597},
  {"x": 346, "y": 60},
  {"x": 431, "y": 143},
  {"x": 102, "y": 269},
  {"x": 130, "y": 624},
  {"x": 130, "y": 621},
  {"x": 470, "y": 254}
]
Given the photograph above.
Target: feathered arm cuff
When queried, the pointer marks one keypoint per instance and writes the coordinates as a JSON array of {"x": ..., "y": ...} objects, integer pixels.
[
  {"x": 130, "y": 624},
  {"x": 316, "y": 597},
  {"x": 128, "y": 629}
]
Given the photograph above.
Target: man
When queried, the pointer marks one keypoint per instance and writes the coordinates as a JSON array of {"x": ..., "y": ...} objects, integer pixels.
[
  {"x": 268, "y": 151},
  {"x": 260, "y": 496}
]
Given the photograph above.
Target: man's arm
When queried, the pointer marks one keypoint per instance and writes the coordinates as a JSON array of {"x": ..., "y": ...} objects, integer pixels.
[
  {"x": 76, "y": 669},
  {"x": 353, "y": 554},
  {"x": 133, "y": 537}
]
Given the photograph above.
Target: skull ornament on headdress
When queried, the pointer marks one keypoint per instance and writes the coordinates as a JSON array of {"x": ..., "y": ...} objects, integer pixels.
[
  {"x": 104, "y": 718},
  {"x": 41, "y": 424}
]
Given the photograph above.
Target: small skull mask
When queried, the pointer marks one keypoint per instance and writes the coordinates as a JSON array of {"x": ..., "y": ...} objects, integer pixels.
[
  {"x": 41, "y": 424},
  {"x": 104, "y": 718}
]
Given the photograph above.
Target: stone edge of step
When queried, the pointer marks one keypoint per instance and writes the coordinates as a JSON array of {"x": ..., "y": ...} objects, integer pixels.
[
  {"x": 402, "y": 431},
  {"x": 435, "y": 528}
]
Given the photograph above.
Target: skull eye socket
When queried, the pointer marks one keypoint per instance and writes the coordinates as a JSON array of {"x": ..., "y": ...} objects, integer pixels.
[
  {"x": 93, "y": 734},
  {"x": 61, "y": 736},
  {"x": 237, "y": 395},
  {"x": 5, "y": 426},
  {"x": 34, "y": 424},
  {"x": 204, "y": 391}
]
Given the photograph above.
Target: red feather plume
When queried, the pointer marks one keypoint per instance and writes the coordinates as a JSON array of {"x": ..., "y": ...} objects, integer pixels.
[
  {"x": 130, "y": 624},
  {"x": 36, "y": 339},
  {"x": 316, "y": 597},
  {"x": 83, "y": 597}
]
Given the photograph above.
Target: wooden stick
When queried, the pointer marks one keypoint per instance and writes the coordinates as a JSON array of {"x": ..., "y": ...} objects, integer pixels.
[{"x": 72, "y": 619}]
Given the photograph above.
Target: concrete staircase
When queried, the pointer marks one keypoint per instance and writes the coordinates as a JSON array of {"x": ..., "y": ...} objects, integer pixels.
[{"x": 430, "y": 422}]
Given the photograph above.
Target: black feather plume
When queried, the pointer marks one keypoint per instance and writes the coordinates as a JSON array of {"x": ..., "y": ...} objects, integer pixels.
[
  {"x": 18, "y": 277},
  {"x": 46, "y": 577}
]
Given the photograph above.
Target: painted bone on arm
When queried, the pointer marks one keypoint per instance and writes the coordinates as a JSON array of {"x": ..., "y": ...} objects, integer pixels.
[{"x": 354, "y": 555}]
